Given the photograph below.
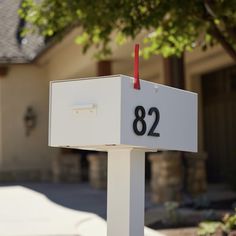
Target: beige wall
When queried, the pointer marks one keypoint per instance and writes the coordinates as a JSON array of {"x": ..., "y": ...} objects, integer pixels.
[
  {"x": 24, "y": 85},
  {"x": 151, "y": 69},
  {"x": 27, "y": 85},
  {"x": 1, "y": 120},
  {"x": 66, "y": 60}
]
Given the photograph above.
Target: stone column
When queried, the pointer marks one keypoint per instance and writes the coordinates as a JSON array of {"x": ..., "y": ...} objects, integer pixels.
[
  {"x": 196, "y": 173},
  {"x": 166, "y": 176},
  {"x": 66, "y": 167},
  {"x": 98, "y": 169}
]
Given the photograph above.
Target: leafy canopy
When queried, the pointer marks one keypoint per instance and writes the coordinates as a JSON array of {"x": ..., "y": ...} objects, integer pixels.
[{"x": 172, "y": 26}]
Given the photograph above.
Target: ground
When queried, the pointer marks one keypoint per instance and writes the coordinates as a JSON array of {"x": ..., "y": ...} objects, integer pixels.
[
  {"x": 53, "y": 209},
  {"x": 47, "y": 209}
]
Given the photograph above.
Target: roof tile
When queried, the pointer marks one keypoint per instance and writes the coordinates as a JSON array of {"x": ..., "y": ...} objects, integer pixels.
[{"x": 11, "y": 50}]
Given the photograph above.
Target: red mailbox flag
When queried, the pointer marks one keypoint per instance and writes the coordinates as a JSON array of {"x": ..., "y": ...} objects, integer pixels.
[{"x": 136, "y": 67}]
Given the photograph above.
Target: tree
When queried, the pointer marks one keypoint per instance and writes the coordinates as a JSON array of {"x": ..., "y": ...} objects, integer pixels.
[{"x": 172, "y": 26}]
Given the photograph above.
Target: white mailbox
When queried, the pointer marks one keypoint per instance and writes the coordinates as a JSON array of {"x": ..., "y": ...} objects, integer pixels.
[
  {"x": 101, "y": 113},
  {"x": 107, "y": 113}
]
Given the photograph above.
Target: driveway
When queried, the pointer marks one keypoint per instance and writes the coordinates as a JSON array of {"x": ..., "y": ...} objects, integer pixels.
[{"x": 54, "y": 210}]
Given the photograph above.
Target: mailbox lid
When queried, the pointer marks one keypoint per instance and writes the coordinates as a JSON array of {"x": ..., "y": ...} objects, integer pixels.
[
  {"x": 177, "y": 124},
  {"x": 85, "y": 112}
]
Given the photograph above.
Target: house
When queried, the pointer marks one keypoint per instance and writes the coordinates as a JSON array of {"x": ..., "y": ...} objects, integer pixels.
[{"x": 28, "y": 64}]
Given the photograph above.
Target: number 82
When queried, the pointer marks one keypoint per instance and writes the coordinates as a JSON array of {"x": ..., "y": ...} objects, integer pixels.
[{"x": 140, "y": 114}]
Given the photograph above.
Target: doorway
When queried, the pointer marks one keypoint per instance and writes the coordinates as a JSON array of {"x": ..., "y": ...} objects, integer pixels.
[{"x": 219, "y": 114}]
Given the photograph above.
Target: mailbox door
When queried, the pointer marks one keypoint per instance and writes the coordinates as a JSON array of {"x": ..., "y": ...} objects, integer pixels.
[{"x": 85, "y": 112}]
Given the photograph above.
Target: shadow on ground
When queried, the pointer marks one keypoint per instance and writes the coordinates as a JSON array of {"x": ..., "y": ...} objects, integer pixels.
[{"x": 75, "y": 196}]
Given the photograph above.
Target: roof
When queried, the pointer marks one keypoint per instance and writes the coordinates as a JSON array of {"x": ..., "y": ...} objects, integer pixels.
[{"x": 14, "y": 48}]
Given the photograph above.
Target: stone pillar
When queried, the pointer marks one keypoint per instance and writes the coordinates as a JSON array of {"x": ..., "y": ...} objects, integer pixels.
[
  {"x": 166, "y": 176},
  {"x": 66, "y": 167},
  {"x": 196, "y": 173},
  {"x": 98, "y": 169}
]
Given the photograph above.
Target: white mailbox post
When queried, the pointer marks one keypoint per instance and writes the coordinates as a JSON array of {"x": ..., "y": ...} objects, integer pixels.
[{"x": 108, "y": 114}]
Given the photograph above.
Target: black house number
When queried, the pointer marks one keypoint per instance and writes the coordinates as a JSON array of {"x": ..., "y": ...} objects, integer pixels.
[{"x": 140, "y": 114}]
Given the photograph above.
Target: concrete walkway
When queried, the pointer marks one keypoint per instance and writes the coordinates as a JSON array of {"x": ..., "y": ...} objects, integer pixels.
[{"x": 53, "y": 210}]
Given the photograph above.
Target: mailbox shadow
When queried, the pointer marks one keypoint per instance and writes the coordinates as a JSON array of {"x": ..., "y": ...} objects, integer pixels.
[{"x": 80, "y": 197}]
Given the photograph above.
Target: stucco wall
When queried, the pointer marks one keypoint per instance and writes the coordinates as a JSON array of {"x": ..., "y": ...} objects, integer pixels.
[
  {"x": 1, "y": 120},
  {"x": 27, "y": 85},
  {"x": 65, "y": 60},
  {"x": 24, "y": 85}
]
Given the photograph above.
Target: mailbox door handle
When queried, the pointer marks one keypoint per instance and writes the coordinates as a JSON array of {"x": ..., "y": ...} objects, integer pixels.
[{"x": 84, "y": 107}]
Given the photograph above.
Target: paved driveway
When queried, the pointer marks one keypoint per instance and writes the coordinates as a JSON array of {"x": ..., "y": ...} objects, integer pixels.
[{"x": 53, "y": 210}]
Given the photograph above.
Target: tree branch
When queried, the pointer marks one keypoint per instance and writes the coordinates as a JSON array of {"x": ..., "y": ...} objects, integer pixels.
[
  {"x": 217, "y": 33},
  {"x": 222, "y": 40},
  {"x": 231, "y": 31}
]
